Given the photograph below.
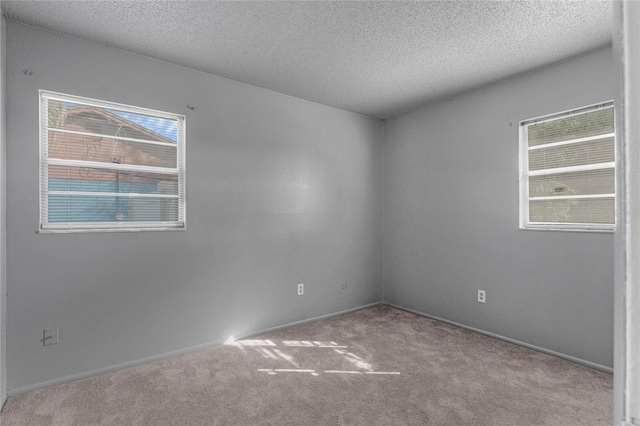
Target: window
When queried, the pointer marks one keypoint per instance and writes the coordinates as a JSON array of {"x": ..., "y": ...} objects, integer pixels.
[
  {"x": 105, "y": 166},
  {"x": 567, "y": 169}
]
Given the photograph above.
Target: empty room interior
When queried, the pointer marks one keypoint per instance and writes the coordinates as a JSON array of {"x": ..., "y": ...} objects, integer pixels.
[{"x": 304, "y": 213}]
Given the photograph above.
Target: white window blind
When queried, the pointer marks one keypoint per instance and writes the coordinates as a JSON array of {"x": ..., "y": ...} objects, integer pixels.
[
  {"x": 567, "y": 164},
  {"x": 106, "y": 166}
]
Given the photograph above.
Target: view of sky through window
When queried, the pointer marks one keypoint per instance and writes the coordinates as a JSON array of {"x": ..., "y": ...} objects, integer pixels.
[{"x": 162, "y": 126}]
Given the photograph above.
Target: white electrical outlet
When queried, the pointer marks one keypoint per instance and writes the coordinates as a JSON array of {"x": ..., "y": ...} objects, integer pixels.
[
  {"x": 300, "y": 289},
  {"x": 50, "y": 336},
  {"x": 482, "y": 296}
]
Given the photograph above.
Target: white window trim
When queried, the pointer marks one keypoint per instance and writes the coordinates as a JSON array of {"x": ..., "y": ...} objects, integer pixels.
[
  {"x": 523, "y": 153},
  {"x": 83, "y": 227}
]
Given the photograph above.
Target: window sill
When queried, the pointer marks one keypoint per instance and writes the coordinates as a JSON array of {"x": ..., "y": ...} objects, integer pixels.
[
  {"x": 603, "y": 230},
  {"x": 102, "y": 230}
]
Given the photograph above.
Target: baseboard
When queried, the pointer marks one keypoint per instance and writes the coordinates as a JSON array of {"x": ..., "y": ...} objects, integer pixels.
[
  {"x": 510, "y": 340},
  {"x": 3, "y": 399},
  {"x": 305, "y": 321},
  {"x": 122, "y": 366}
]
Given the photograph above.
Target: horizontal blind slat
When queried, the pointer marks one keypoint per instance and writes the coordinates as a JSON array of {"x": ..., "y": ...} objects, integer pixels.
[
  {"x": 577, "y": 183},
  {"x": 575, "y": 126},
  {"x": 75, "y": 132},
  {"x": 76, "y": 147},
  {"x": 91, "y": 208},
  {"x": 592, "y": 152},
  {"x": 113, "y": 166},
  {"x": 573, "y": 211}
]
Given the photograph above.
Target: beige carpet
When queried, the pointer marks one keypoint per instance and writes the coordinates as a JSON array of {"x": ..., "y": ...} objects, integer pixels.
[{"x": 378, "y": 366}]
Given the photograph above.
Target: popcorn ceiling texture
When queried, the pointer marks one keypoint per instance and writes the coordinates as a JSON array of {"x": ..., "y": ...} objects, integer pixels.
[{"x": 375, "y": 58}]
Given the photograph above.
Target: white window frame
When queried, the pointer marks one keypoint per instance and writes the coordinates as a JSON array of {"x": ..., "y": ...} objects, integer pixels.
[
  {"x": 525, "y": 173},
  {"x": 66, "y": 227}
]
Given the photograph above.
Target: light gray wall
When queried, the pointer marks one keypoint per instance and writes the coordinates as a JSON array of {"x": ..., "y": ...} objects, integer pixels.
[
  {"x": 280, "y": 191},
  {"x": 451, "y": 218}
]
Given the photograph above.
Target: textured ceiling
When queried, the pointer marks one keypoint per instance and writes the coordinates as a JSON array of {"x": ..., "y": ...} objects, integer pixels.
[{"x": 375, "y": 58}]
